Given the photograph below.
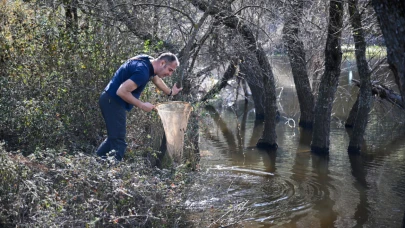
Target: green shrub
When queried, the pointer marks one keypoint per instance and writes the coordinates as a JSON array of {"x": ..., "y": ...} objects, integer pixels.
[{"x": 51, "y": 78}]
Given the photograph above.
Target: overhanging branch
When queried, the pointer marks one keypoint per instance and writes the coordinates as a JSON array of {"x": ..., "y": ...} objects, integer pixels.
[{"x": 385, "y": 93}]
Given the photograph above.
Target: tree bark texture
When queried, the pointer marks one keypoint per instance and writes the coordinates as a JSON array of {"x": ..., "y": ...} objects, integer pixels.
[
  {"x": 353, "y": 113},
  {"x": 253, "y": 78},
  {"x": 296, "y": 54},
  {"x": 364, "y": 98},
  {"x": 330, "y": 80},
  {"x": 269, "y": 136},
  {"x": 391, "y": 16}
]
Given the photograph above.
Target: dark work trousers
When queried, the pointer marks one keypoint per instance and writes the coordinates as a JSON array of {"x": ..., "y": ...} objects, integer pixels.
[{"x": 115, "y": 117}]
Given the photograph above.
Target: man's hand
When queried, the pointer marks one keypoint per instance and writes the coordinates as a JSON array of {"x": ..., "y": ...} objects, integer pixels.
[
  {"x": 147, "y": 107},
  {"x": 176, "y": 90}
]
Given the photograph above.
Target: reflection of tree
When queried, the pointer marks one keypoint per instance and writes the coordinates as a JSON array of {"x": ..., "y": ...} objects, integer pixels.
[
  {"x": 242, "y": 127},
  {"x": 228, "y": 135},
  {"x": 269, "y": 160},
  {"x": 359, "y": 163},
  {"x": 359, "y": 173},
  {"x": 236, "y": 146},
  {"x": 302, "y": 156},
  {"x": 300, "y": 168},
  {"x": 236, "y": 151},
  {"x": 256, "y": 133},
  {"x": 325, "y": 205}
]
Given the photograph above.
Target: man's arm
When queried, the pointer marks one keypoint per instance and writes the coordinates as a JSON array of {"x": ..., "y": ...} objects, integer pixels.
[
  {"x": 162, "y": 86},
  {"x": 124, "y": 91}
]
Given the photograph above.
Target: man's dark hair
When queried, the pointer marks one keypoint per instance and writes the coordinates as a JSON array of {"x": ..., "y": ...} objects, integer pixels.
[{"x": 169, "y": 57}]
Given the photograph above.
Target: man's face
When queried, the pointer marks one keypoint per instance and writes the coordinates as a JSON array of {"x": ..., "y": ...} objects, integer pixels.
[{"x": 166, "y": 69}]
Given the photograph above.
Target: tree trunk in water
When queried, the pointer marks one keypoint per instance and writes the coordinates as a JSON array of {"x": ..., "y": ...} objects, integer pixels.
[
  {"x": 353, "y": 113},
  {"x": 252, "y": 78},
  {"x": 364, "y": 98},
  {"x": 269, "y": 136},
  {"x": 296, "y": 55},
  {"x": 391, "y": 16},
  {"x": 330, "y": 80}
]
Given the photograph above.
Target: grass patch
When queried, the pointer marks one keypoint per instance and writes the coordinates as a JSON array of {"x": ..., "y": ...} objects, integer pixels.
[{"x": 373, "y": 51}]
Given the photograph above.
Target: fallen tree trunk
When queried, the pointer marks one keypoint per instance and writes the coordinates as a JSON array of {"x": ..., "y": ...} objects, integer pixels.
[{"x": 384, "y": 93}]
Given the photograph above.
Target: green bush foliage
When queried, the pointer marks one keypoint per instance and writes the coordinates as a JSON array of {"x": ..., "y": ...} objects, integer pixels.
[{"x": 51, "y": 77}]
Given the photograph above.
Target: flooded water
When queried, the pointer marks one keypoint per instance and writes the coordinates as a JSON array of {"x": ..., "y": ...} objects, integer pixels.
[{"x": 292, "y": 187}]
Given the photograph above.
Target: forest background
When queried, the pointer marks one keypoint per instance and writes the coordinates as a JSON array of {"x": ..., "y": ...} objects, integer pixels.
[{"x": 57, "y": 56}]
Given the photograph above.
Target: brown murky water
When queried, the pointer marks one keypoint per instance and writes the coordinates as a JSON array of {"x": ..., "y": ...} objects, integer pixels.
[{"x": 292, "y": 187}]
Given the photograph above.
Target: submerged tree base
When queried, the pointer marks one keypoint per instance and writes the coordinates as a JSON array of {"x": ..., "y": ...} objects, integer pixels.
[
  {"x": 347, "y": 125},
  {"x": 262, "y": 144},
  {"x": 259, "y": 116},
  {"x": 353, "y": 149},
  {"x": 320, "y": 150},
  {"x": 306, "y": 124}
]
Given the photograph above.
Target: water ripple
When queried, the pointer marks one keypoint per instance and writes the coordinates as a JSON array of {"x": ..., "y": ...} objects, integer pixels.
[{"x": 270, "y": 196}]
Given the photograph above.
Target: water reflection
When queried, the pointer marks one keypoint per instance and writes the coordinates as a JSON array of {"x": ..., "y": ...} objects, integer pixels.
[
  {"x": 221, "y": 125},
  {"x": 292, "y": 187},
  {"x": 269, "y": 160},
  {"x": 359, "y": 173},
  {"x": 256, "y": 133},
  {"x": 324, "y": 206}
]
